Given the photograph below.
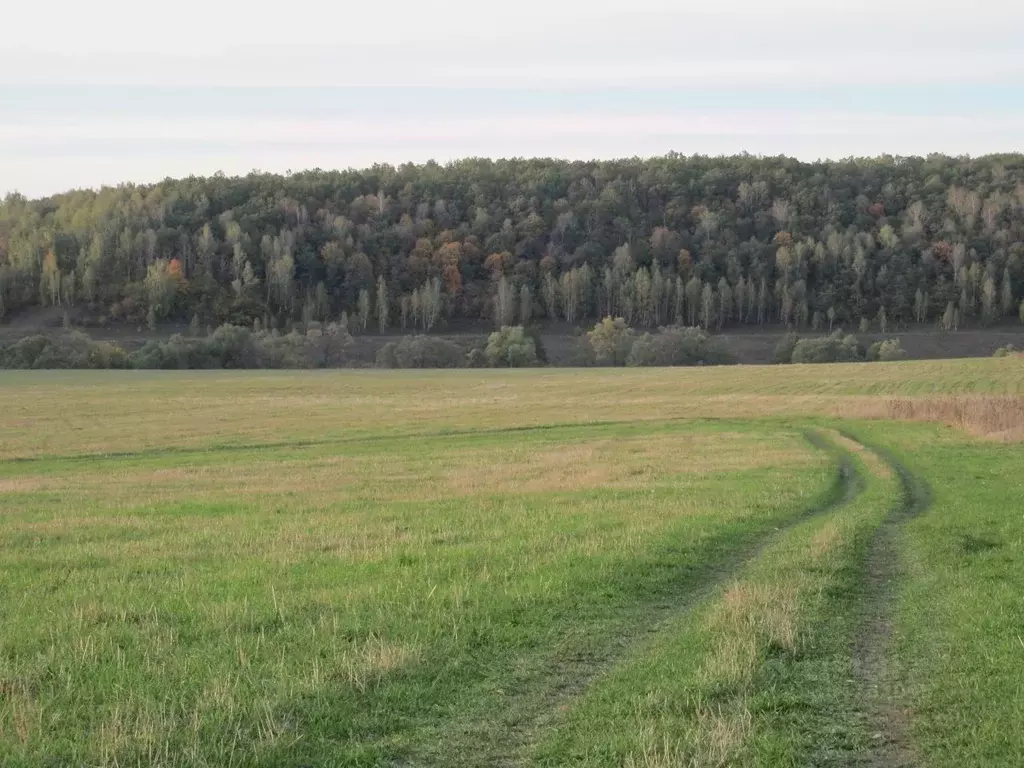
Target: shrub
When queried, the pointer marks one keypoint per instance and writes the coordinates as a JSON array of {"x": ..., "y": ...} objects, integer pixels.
[
  {"x": 538, "y": 343},
  {"x": 1008, "y": 351},
  {"x": 609, "y": 342},
  {"x": 71, "y": 349},
  {"x": 420, "y": 352},
  {"x": 784, "y": 349},
  {"x": 24, "y": 352},
  {"x": 327, "y": 346},
  {"x": 510, "y": 347},
  {"x": 835, "y": 348},
  {"x": 476, "y": 358},
  {"x": 679, "y": 346},
  {"x": 387, "y": 356},
  {"x": 170, "y": 354},
  {"x": 886, "y": 351},
  {"x": 240, "y": 310},
  {"x": 149, "y": 357},
  {"x": 232, "y": 346},
  {"x": 178, "y": 353},
  {"x": 291, "y": 350},
  {"x": 105, "y": 355}
]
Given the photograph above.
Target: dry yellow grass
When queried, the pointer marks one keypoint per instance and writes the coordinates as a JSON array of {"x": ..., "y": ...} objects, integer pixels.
[
  {"x": 749, "y": 617},
  {"x": 20, "y": 708},
  {"x": 370, "y": 660},
  {"x": 22, "y": 484},
  {"x": 716, "y": 738},
  {"x": 871, "y": 460},
  {"x": 327, "y": 476},
  {"x": 993, "y": 417},
  {"x": 52, "y": 412},
  {"x": 826, "y": 538},
  {"x": 620, "y": 463},
  {"x": 720, "y": 733}
]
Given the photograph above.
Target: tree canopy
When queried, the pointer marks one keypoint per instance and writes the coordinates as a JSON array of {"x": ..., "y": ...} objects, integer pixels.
[{"x": 713, "y": 242}]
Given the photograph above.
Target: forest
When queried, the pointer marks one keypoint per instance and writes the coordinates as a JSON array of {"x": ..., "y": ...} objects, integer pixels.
[{"x": 675, "y": 240}]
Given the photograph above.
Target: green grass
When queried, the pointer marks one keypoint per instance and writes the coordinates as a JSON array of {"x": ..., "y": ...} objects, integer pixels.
[
  {"x": 63, "y": 412},
  {"x": 153, "y": 609},
  {"x": 661, "y": 567},
  {"x": 759, "y": 674},
  {"x": 959, "y": 630}
]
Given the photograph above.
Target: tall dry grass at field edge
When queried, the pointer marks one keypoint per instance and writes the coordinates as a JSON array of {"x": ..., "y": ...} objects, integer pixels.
[{"x": 994, "y": 417}]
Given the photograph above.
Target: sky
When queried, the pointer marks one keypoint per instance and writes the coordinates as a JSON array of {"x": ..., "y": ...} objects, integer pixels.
[{"x": 113, "y": 91}]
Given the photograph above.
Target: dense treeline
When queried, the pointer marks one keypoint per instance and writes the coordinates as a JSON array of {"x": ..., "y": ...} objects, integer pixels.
[
  {"x": 610, "y": 342},
  {"x": 229, "y": 346},
  {"x": 671, "y": 240},
  {"x": 836, "y": 347}
]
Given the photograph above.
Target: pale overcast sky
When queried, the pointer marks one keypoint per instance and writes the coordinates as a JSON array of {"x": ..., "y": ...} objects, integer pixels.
[{"x": 110, "y": 91}]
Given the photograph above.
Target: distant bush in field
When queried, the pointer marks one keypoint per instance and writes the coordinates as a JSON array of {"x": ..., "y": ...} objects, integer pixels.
[
  {"x": 1008, "y": 351},
  {"x": 886, "y": 351},
  {"x": 420, "y": 352},
  {"x": 510, "y": 347},
  {"x": 476, "y": 358},
  {"x": 835, "y": 348},
  {"x": 71, "y": 349},
  {"x": 538, "y": 343},
  {"x": 232, "y": 346},
  {"x": 679, "y": 346},
  {"x": 609, "y": 342},
  {"x": 612, "y": 342},
  {"x": 784, "y": 349},
  {"x": 327, "y": 346},
  {"x": 156, "y": 354}
]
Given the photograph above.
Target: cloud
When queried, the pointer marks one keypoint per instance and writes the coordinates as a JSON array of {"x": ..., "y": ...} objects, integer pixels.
[
  {"x": 103, "y": 92},
  {"x": 440, "y": 130},
  {"x": 367, "y": 67},
  {"x": 42, "y": 158},
  {"x": 530, "y": 43}
]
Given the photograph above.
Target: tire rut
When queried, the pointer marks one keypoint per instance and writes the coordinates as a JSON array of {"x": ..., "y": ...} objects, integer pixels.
[
  {"x": 546, "y": 694},
  {"x": 888, "y": 716}
]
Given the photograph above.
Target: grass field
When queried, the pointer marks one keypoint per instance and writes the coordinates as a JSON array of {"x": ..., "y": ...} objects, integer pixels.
[{"x": 779, "y": 566}]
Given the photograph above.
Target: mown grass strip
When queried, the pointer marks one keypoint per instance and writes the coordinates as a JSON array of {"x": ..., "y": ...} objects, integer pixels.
[{"x": 17, "y": 464}]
